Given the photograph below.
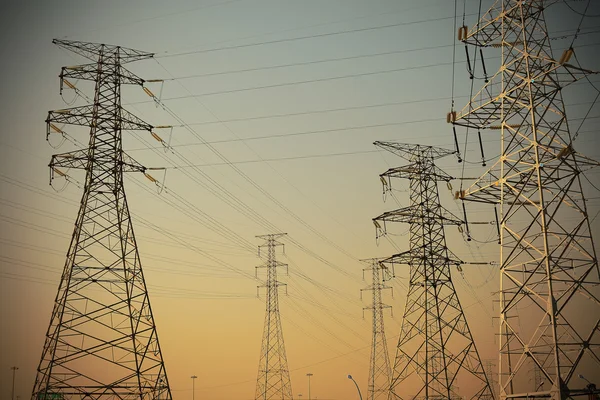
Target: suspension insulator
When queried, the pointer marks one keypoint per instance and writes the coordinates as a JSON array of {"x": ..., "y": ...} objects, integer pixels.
[
  {"x": 150, "y": 178},
  {"x": 451, "y": 117},
  {"x": 148, "y": 92},
  {"x": 466, "y": 222},
  {"x": 69, "y": 84},
  {"x": 481, "y": 148},
  {"x": 456, "y": 143},
  {"x": 566, "y": 56},
  {"x": 485, "y": 75},
  {"x": 469, "y": 63},
  {"x": 155, "y": 136},
  {"x": 56, "y": 128},
  {"x": 460, "y": 194},
  {"x": 462, "y": 33},
  {"x": 58, "y": 171}
]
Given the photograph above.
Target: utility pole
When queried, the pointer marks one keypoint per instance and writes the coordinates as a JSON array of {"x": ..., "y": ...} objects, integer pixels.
[
  {"x": 14, "y": 372},
  {"x": 435, "y": 345},
  {"x": 379, "y": 366},
  {"x": 273, "y": 382},
  {"x": 101, "y": 342},
  {"x": 548, "y": 264}
]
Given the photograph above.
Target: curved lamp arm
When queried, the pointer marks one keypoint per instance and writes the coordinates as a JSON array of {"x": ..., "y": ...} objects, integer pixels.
[{"x": 357, "y": 388}]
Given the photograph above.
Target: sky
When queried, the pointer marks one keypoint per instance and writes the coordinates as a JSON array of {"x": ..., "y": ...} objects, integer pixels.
[{"x": 291, "y": 95}]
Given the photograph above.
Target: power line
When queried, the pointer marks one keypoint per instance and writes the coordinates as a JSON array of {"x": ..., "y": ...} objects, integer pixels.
[{"x": 318, "y": 35}]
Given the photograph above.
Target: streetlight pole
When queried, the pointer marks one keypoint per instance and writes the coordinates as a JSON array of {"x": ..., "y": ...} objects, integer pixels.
[
  {"x": 12, "y": 393},
  {"x": 193, "y": 386},
  {"x": 309, "y": 375},
  {"x": 357, "y": 388}
]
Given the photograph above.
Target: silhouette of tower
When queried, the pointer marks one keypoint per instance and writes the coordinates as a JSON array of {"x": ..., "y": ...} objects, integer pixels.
[
  {"x": 379, "y": 366},
  {"x": 101, "y": 342},
  {"x": 548, "y": 264},
  {"x": 273, "y": 382},
  {"x": 435, "y": 346}
]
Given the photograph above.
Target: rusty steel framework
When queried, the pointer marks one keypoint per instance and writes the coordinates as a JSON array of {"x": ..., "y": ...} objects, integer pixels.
[
  {"x": 379, "y": 366},
  {"x": 102, "y": 341},
  {"x": 273, "y": 382},
  {"x": 435, "y": 345},
  {"x": 549, "y": 267}
]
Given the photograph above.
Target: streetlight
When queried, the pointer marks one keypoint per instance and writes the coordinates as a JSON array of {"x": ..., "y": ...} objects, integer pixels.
[
  {"x": 12, "y": 393},
  {"x": 309, "y": 375},
  {"x": 357, "y": 388},
  {"x": 193, "y": 386}
]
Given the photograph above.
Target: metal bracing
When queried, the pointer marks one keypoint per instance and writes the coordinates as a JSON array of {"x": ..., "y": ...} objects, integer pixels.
[
  {"x": 549, "y": 267},
  {"x": 102, "y": 341},
  {"x": 379, "y": 366},
  {"x": 273, "y": 382},
  {"x": 435, "y": 347}
]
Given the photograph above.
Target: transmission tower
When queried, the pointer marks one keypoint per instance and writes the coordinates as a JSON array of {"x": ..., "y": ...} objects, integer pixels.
[
  {"x": 101, "y": 342},
  {"x": 379, "y": 367},
  {"x": 435, "y": 346},
  {"x": 489, "y": 372},
  {"x": 549, "y": 268},
  {"x": 273, "y": 382}
]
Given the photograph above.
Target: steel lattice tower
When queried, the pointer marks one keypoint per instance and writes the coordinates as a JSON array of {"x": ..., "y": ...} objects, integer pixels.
[
  {"x": 101, "y": 342},
  {"x": 549, "y": 268},
  {"x": 273, "y": 382},
  {"x": 435, "y": 346},
  {"x": 379, "y": 366}
]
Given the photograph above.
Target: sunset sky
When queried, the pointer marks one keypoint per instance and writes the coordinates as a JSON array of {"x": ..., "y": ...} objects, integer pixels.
[{"x": 291, "y": 94}]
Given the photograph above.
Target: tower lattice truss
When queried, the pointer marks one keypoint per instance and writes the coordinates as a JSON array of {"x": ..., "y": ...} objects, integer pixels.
[
  {"x": 435, "y": 351},
  {"x": 549, "y": 289},
  {"x": 102, "y": 341},
  {"x": 379, "y": 365},
  {"x": 273, "y": 382}
]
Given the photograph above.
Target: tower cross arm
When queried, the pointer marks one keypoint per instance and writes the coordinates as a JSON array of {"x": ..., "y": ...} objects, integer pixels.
[
  {"x": 414, "y": 214},
  {"x": 79, "y": 159},
  {"x": 271, "y": 264},
  {"x": 406, "y": 257},
  {"x": 429, "y": 172},
  {"x": 86, "y": 116},
  {"x": 410, "y": 258},
  {"x": 487, "y": 32},
  {"x": 483, "y": 111},
  {"x": 409, "y": 151},
  {"x": 89, "y": 72},
  {"x": 488, "y": 29},
  {"x": 92, "y": 51}
]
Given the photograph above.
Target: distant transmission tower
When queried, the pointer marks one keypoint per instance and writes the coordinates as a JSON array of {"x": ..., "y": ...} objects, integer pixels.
[
  {"x": 435, "y": 347},
  {"x": 379, "y": 367},
  {"x": 549, "y": 268},
  {"x": 273, "y": 382},
  {"x": 102, "y": 341},
  {"x": 491, "y": 375}
]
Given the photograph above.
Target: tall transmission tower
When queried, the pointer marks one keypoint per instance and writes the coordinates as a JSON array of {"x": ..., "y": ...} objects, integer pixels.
[
  {"x": 435, "y": 346},
  {"x": 273, "y": 382},
  {"x": 102, "y": 341},
  {"x": 549, "y": 268},
  {"x": 379, "y": 366}
]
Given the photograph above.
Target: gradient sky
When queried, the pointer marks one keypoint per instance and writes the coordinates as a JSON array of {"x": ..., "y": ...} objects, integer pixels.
[{"x": 319, "y": 164}]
